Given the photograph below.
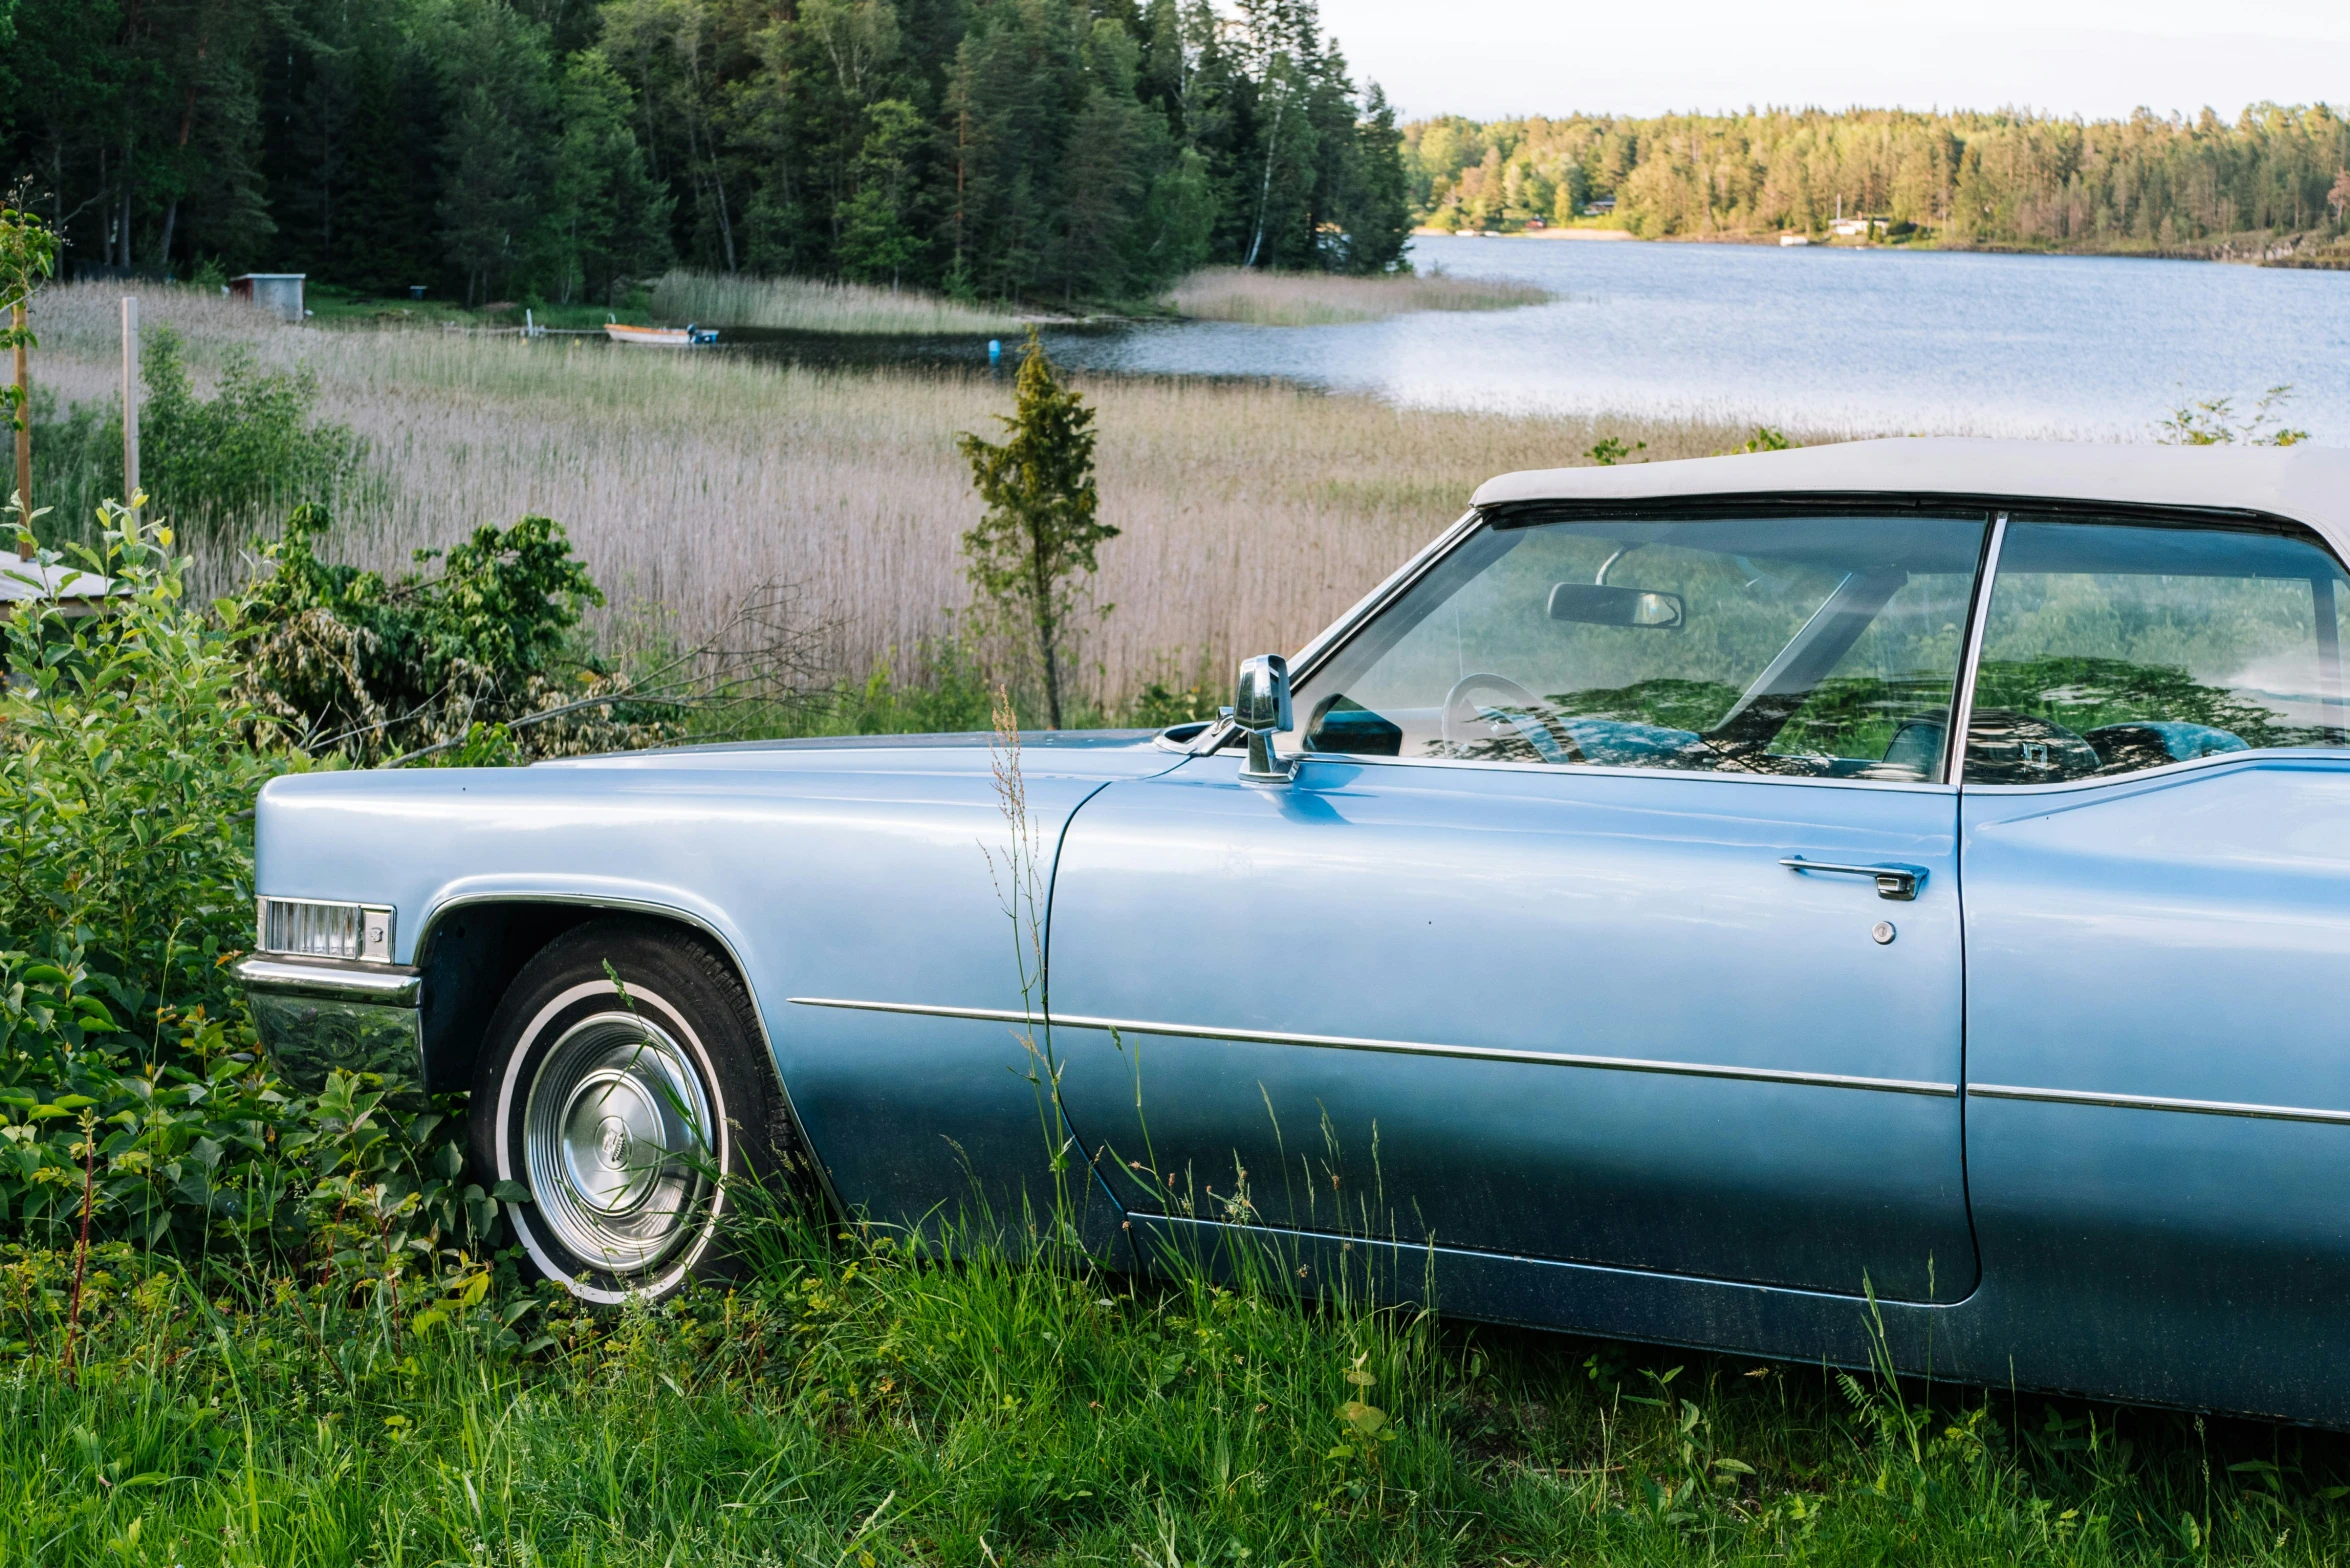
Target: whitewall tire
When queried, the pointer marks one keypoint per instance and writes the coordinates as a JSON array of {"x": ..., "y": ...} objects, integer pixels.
[{"x": 632, "y": 1112}]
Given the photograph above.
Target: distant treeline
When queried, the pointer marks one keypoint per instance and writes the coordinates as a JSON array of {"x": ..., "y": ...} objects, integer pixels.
[
  {"x": 561, "y": 150},
  {"x": 2146, "y": 183}
]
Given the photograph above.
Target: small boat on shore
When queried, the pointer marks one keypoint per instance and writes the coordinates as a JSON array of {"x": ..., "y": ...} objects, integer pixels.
[{"x": 688, "y": 336}]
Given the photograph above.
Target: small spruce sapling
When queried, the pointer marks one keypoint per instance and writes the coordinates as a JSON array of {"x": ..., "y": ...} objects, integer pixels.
[{"x": 1030, "y": 555}]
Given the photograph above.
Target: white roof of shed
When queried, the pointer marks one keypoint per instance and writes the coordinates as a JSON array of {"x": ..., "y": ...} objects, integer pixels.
[
  {"x": 2309, "y": 484},
  {"x": 21, "y": 580}
]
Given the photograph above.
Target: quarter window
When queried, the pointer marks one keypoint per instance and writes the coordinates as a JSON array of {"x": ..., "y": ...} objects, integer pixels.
[
  {"x": 1821, "y": 646},
  {"x": 2112, "y": 648}
]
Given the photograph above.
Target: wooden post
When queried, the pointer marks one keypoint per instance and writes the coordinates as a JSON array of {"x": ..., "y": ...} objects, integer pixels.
[
  {"x": 24, "y": 415},
  {"x": 130, "y": 403}
]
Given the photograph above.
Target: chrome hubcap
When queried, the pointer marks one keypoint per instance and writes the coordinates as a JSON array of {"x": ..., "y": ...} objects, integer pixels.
[{"x": 618, "y": 1142}]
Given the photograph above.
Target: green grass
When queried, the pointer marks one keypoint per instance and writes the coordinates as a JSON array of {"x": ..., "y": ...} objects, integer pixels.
[
  {"x": 845, "y": 1405},
  {"x": 808, "y": 305},
  {"x": 333, "y": 306}
]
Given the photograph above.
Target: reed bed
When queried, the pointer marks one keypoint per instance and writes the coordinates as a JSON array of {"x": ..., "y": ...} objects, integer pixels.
[
  {"x": 807, "y": 305},
  {"x": 1251, "y": 514},
  {"x": 1320, "y": 299}
]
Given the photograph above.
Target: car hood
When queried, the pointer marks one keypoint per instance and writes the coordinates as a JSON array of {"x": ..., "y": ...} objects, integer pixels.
[{"x": 1082, "y": 754}]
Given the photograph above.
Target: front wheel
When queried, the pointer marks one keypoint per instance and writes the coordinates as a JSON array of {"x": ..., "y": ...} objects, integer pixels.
[{"x": 624, "y": 1085}]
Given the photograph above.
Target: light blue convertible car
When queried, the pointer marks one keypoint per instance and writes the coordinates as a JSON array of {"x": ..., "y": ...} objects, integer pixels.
[{"x": 1684, "y": 902}]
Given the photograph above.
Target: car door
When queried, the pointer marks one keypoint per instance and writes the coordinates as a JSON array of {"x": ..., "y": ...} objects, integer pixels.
[
  {"x": 2157, "y": 864},
  {"x": 1610, "y": 916}
]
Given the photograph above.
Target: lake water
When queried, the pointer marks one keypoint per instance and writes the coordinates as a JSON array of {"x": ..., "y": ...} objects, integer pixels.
[{"x": 1866, "y": 341}]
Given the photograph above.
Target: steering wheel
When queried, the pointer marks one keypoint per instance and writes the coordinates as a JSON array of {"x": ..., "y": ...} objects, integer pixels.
[{"x": 1465, "y": 726}]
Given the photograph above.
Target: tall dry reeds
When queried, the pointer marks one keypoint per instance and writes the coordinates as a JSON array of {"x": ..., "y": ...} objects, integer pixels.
[
  {"x": 1251, "y": 514},
  {"x": 807, "y": 305},
  {"x": 1320, "y": 299}
]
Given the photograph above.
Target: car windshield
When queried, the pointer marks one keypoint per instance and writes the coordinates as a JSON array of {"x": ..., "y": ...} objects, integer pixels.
[{"x": 1821, "y": 646}]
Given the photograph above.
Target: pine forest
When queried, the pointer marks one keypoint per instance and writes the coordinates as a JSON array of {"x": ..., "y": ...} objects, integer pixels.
[
  {"x": 2150, "y": 183},
  {"x": 1054, "y": 152}
]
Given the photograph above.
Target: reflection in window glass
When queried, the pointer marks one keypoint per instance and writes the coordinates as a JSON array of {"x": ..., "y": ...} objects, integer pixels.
[
  {"x": 2113, "y": 648},
  {"x": 1805, "y": 646}
]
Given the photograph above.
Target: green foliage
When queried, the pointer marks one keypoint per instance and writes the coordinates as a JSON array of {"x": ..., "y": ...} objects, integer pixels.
[
  {"x": 877, "y": 238},
  {"x": 347, "y": 662},
  {"x": 1611, "y": 450},
  {"x": 2215, "y": 422},
  {"x": 253, "y": 445},
  {"x": 849, "y": 1400},
  {"x": 1160, "y": 704},
  {"x": 2145, "y": 184},
  {"x": 28, "y": 253},
  {"x": 608, "y": 222},
  {"x": 124, "y": 766},
  {"x": 947, "y": 694},
  {"x": 192, "y": 1144},
  {"x": 132, "y": 1092},
  {"x": 2084, "y": 693},
  {"x": 1027, "y": 149},
  {"x": 1030, "y": 555},
  {"x": 77, "y": 454}
]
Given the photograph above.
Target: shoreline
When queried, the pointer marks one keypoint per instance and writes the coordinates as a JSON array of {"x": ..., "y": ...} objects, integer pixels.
[{"x": 2287, "y": 257}]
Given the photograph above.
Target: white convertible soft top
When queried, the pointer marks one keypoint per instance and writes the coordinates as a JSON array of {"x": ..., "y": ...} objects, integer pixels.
[{"x": 2308, "y": 484}]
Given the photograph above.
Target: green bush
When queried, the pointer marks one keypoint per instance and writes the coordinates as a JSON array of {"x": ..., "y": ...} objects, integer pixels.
[
  {"x": 125, "y": 765},
  {"x": 213, "y": 465},
  {"x": 467, "y": 661},
  {"x": 135, "y": 1102},
  {"x": 253, "y": 445}
]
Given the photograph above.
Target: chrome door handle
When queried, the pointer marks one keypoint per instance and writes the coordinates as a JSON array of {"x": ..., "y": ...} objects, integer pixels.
[{"x": 1894, "y": 882}]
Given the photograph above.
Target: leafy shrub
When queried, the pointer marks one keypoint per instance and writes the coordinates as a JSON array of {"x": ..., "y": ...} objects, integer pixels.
[
  {"x": 942, "y": 691},
  {"x": 78, "y": 463},
  {"x": 250, "y": 446},
  {"x": 345, "y": 661},
  {"x": 215, "y": 463},
  {"x": 1160, "y": 704},
  {"x": 2216, "y": 421},
  {"x": 134, "y": 1097},
  {"x": 125, "y": 761}
]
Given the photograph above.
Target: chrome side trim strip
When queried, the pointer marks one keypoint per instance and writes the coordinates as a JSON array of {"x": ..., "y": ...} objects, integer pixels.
[
  {"x": 2258, "y": 756},
  {"x": 383, "y": 984},
  {"x": 1621, "y": 1064},
  {"x": 2156, "y": 1102}
]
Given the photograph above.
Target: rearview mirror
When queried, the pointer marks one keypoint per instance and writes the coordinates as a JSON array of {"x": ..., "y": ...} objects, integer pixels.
[
  {"x": 1260, "y": 708},
  {"x": 1593, "y": 604}
]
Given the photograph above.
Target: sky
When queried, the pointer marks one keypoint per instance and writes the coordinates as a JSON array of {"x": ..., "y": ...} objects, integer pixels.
[{"x": 1491, "y": 59}]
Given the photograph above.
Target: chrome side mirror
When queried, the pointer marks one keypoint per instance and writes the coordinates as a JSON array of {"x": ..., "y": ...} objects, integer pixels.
[{"x": 1260, "y": 707}]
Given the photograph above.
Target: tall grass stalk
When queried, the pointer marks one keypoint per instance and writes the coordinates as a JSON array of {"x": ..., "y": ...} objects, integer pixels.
[
  {"x": 1250, "y": 514},
  {"x": 808, "y": 305},
  {"x": 1321, "y": 299}
]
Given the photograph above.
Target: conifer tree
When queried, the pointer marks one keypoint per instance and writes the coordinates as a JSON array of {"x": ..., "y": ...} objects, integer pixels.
[{"x": 1030, "y": 556}]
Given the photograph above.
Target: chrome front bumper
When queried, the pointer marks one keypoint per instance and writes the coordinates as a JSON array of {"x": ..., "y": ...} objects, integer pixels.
[{"x": 316, "y": 1015}]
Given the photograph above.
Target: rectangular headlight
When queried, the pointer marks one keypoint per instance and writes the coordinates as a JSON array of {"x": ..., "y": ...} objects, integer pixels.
[{"x": 312, "y": 928}]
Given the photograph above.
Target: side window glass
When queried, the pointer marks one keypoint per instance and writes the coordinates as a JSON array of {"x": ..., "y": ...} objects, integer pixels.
[
  {"x": 1821, "y": 646},
  {"x": 2112, "y": 648}
]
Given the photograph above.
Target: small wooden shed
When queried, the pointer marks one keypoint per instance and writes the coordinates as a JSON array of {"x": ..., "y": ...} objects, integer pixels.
[{"x": 277, "y": 292}]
